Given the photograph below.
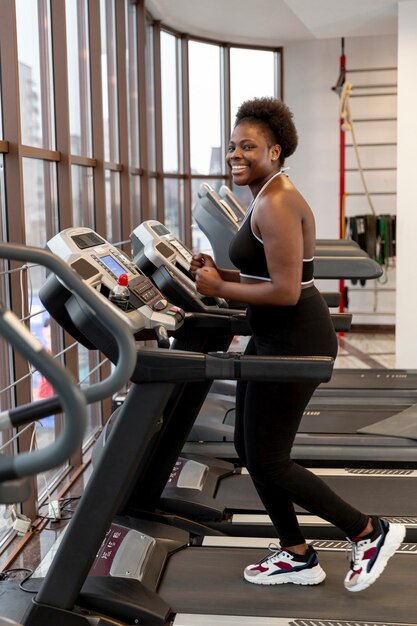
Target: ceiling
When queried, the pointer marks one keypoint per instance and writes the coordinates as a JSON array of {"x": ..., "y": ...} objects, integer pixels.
[{"x": 276, "y": 22}]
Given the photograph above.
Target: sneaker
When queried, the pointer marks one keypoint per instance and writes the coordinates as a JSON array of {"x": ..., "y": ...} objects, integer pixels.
[
  {"x": 282, "y": 566},
  {"x": 370, "y": 555}
]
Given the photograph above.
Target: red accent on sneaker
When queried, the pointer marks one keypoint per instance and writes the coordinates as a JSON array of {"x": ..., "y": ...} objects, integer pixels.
[
  {"x": 369, "y": 553},
  {"x": 283, "y": 565},
  {"x": 259, "y": 568}
]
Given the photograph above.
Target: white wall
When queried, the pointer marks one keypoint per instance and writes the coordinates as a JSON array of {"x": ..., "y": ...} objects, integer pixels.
[
  {"x": 406, "y": 328},
  {"x": 311, "y": 69}
]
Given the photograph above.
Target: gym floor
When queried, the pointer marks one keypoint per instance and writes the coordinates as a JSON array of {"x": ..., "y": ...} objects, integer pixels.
[
  {"x": 365, "y": 350},
  {"x": 356, "y": 350}
]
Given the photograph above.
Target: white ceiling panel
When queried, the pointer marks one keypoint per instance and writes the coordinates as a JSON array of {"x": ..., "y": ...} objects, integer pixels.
[{"x": 275, "y": 22}]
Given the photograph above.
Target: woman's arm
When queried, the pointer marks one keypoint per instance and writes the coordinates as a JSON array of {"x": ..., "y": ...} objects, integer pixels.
[
  {"x": 278, "y": 221},
  {"x": 205, "y": 260}
]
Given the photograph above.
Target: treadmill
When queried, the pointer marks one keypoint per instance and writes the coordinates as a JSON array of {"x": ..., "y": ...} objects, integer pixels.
[
  {"x": 16, "y": 470},
  {"x": 219, "y": 223},
  {"x": 153, "y": 574},
  {"x": 215, "y": 493},
  {"x": 230, "y": 198},
  {"x": 220, "y": 215},
  {"x": 224, "y": 496},
  {"x": 329, "y": 430}
]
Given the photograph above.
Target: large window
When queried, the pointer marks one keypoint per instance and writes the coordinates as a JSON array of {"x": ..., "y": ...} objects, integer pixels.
[
  {"x": 132, "y": 82},
  {"x": 35, "y": 73},
  {"x": 109, "y": 80},
  {"x": 79, "y": 90},
  {"x": 260, "y": 65},
  {"x": 206, "y": 145},
  {"x": 107, "y": 118},
  {"x": 170, "y": 105},
  {"x": 150, "y": 96}
]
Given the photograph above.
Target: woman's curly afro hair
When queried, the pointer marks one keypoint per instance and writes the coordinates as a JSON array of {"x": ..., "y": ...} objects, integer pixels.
[{"x": 276, "y": 117}]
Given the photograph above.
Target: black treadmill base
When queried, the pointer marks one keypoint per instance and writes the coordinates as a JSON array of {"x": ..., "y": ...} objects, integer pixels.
[{"x": 210, "y": 580}]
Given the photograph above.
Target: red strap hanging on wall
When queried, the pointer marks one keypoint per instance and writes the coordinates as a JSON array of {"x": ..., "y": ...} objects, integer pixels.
[{"x": 342, "y": 78}]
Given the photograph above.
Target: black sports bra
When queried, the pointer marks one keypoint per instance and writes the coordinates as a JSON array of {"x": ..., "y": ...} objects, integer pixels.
[{"x": 247, "y": 253}]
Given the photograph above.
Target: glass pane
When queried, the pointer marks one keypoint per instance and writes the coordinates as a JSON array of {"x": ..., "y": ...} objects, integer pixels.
[
  {"x": 109, "y": 80},
  {"x": 169, "y": 92},
  {"x": 79, "y": 77},
  {"x": 1, "y": 117},
  {"x": 135, "y": 206},
  {"x": 5, "y": 397},
  {"x": 150, "y": 97},
  {"x": 40, "y": 205},
  {"x": 152, "y": 196},
  {"x": 200, "y": 243},
  {"x": 2, "y": 201},
  {"x": 40, "y": 327},
  {"x": 35, "y": 78},
  {"x": 260, "y": 66},
  {"x": 113, "y": 209},
  {"x": 82, "y": 196},
  {"x": 88, "y": 375},
  {"x": 41, "y": 223},
  {"x": 205, "y": 109},
  {"x": 132, "y": 83},
  {"x": 173, "y": 193}
]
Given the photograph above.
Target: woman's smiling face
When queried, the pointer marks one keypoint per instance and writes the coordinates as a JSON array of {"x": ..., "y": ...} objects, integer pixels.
[{"x": 250, "y": 155}]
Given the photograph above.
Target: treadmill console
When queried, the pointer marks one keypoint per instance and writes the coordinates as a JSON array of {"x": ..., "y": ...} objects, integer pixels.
[
  {"x": 100, "y": 264},
  {"x": 218, "y": 222},
  {"x": 210, "y": 198},
  {"x": 234, "y": 204},
  {"x": 160, "y": 255}
]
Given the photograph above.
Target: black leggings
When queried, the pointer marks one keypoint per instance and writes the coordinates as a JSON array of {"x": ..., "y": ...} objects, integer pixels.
[{"x": 268, "y": 416}]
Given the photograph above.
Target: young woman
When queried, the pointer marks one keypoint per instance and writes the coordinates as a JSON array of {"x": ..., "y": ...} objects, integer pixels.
[{"x": 274, "y": 250}]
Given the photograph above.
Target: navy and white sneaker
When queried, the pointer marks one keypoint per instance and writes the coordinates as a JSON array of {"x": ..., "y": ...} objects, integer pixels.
[
  {"x": 370, "y": 555},
  {"x": 282, "y": 566}
]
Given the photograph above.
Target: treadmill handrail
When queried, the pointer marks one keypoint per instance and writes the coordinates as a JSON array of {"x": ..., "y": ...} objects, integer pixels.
[
  {"x": 183, "y": 366},
  {"x": 72, "y": 399},
  {"x": 346, "y": 267},
  {"x": 126, "y": 361}
]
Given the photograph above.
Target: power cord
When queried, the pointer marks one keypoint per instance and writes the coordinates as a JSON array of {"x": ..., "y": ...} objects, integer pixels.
[
  {"x": 57, "y": 508},
  {"x": 8, "y": 574}
]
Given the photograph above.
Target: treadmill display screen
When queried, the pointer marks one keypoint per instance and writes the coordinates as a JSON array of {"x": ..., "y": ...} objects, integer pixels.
[
  {"x": 160, "y": 230},
  {"x": 88, "y": 240},
  {"x": 84, "y": 268},
  {"x": 113, "y": 265},
  {"x": 164, "y": 250}
]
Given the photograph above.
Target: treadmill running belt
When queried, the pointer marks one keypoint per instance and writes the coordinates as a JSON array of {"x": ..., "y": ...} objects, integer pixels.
[
  {"x": 366, "y": 493},
  {"x": 371, "y": 379},
  {"x": 210, "y": 580}
]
